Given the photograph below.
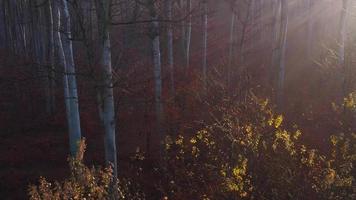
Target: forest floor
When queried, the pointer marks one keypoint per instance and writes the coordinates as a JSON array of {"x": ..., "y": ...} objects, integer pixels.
[{"x": 27, "y": 156}]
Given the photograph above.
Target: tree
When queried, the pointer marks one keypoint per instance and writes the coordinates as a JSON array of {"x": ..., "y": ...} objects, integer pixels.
[
  {"x": 205, "y": 41},
  {"x": 232, "y": 42},
  {"x": 169, "y": 10},
  {"x": 63, "y": 41},
  {"x": 342, "y": 56},
  {"x": 245, "y": 22},
  {"x": 51, "y": 55},
  {"x": 3, "y": 36},
  {"x": 188, "y": 33},
  {"x": 156, "y": 56},
  {"x": 282, "y": 51},
  {"x": 106, "y": 93},
  {"x": 342, "y": 32},
  {"x": 183, "y": 27},
  {"x": 186, "y": 29},
  {"x": 310, "y": 32}
]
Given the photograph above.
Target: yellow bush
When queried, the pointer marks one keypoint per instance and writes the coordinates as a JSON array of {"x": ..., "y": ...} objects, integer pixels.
[
  {"x": 85, "y": 183},
  {"x": 248, "y": 154}
]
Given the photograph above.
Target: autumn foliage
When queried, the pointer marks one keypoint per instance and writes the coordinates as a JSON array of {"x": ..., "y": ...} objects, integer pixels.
[{"x": 247, "y": 152}]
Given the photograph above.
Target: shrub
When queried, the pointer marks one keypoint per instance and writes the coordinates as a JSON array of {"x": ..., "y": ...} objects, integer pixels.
[
  {"x": 86, "y": 183},
  {"x": 247, "y": 153}
]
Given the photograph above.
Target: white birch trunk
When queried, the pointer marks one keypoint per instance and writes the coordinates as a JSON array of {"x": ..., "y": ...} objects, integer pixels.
[
  {"x": 70, "y": 84},
  {"x": 106, "y": 93},
  {"x": 71, "y": 102}
]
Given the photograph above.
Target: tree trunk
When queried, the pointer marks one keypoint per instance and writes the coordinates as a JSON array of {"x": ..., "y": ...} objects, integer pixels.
[
  {"x": 282, "y": 52},
  {"x": 244, "y": 32},
  {"x": 276, "y": 7},
  {"x": 106, "y": 93},
  {"x": 3, "y": 25},
  {"x": 310, "y": 32},
  {"x": 342, "y": 47},
  {"x": 205, "y": 42},
  {"x": 183, "y": 28},
  {"x": 21, "y": 26},
  {"x": 51, "y": 69},
  {"x": 156, "y": 53},
  {"x": 188, "y": 34},
  {"x": 8, "y": 23},
  {"x": 169, "y": 5},
  {"x": 231, "y": 45},
  {"x": 24, "y": 17},
  {"x": 70, "y": 84},
  {"x": 342, "y": 32}
]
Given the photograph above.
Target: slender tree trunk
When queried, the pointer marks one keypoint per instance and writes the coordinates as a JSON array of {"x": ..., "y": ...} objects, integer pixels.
[
  {"x": 310, "y": 32},
  {"x": 52, "y": 75},
  {"x": 50, "y": 89},
  {"x": 21, "y": 25},
  {"x": 4, "y": 21},
  {"x": 9, "y": 18},
  {"x": 125, "y": 16},
  {"x": 106, "y": 93},
  {"x": 42, "y": 47},
  {"x": 205, "y": 42},
  {"x": 282, "y": 52},
  {"x": 15, "y": 27},
  {"x": 183, "y": 28},
  {"x": 27, "y": 32},
  {"x": 24, "y": 19},
  {"x": 169, "y": 5},
  {"x": 252, "y": 21},
  {"x": 37, "y": 37},
  {"x": 47, "y": 68},
  {"x": 70, "y": 83},
  {"x": 32, "y": 26},
  {"x": 342, "y": 46},
  {"x": 12, "y": 24},
  {"x": 2, "y": 25},
  {"x": 156, "y": 53},
  {"x": 189, "y": 33},
  {"x": 259, "y": 22},
  {"x": 276, "y": 7},
  {"x": 342, "y": 32},
  {"x": 231, "y": 45},
  {"x": 244, "y": 32}
]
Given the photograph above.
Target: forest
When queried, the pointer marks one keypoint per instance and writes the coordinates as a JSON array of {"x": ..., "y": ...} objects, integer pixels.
[{"x": 178, "y": 99}]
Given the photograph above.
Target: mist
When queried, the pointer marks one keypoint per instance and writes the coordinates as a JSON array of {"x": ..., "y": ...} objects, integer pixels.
[{"x": 177, "y": 99}]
